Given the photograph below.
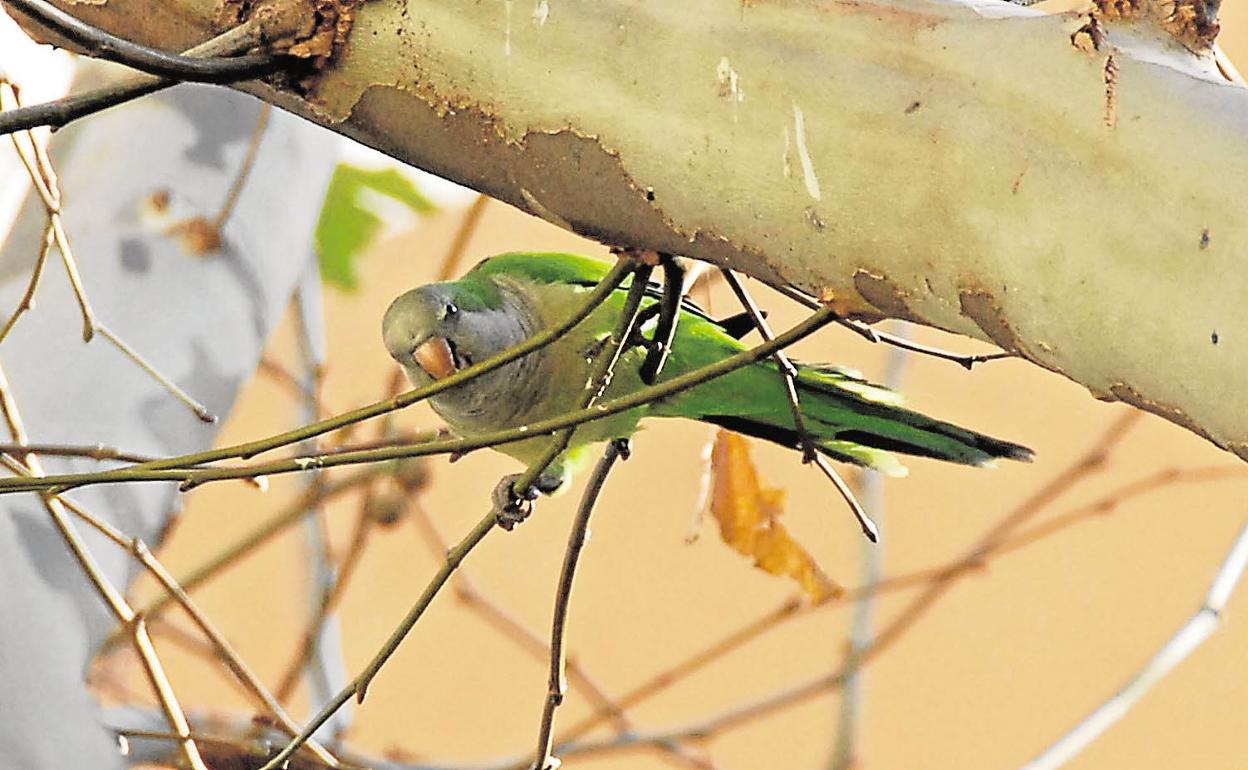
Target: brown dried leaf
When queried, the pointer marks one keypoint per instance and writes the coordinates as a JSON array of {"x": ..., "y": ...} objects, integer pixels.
[{"x": 748, "y": 515}]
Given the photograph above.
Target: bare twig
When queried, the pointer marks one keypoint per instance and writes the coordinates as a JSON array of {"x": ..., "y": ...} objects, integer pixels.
[
  {"x": 104, "y": 45},
  {"x": 467, "y": 227},
  {"x": 223, "y": 649},
  {"x": 871, "y": 490},
  {"x": 198, "y": 409},
  {"x": 1199, "y": 627},
  {"x": 788, "y": 374},
  {"x": 64, "y": 111},
  {"x": 266, "y": 531},
  {"x": 328, "y": 583},
  {"x": 244, "y": 168},
  {"x": 43, "y": 177},
  {"x": 323, "y": 669},
  {"x": 358, "y": 686},
  {"x": 28, "y": 298},
  {"x": 965, "y": 360},
  {"x": 557, "y": 684},
  {"x": 287, "y": 379},
  {"x": 330, "y": 594},
  {"x": 508, "y": 624},
  {"x": 88, "y": 451}
]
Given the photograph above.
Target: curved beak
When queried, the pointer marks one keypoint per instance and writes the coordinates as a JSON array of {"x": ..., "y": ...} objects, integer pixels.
[{"x": 435, "y": 357}]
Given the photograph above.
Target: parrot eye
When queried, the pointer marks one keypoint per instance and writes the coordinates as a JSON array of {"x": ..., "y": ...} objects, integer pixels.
[{"x": 449, "y": 310}]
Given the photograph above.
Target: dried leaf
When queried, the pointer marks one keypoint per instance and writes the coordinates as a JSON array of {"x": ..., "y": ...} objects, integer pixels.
[{"x": 748, "y": 515}]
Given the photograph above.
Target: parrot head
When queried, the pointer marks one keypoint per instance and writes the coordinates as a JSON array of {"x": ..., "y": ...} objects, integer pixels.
[
  {"x": 421, "y": 329},
  {"x": 435, "y": 330}
]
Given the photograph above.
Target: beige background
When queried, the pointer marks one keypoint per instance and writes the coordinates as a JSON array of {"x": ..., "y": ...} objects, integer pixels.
[{"x": 1005, "y": 663}]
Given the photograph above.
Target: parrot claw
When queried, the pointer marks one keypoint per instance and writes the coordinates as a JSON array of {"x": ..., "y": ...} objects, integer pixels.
[{"x": 512, "y": 507}]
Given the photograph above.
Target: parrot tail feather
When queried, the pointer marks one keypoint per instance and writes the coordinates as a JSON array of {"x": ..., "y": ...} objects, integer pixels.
[{"x": 858, "y": 422}]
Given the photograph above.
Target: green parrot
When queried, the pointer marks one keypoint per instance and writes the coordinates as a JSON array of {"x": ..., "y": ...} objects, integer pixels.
[{"x": 436, "y": 329}]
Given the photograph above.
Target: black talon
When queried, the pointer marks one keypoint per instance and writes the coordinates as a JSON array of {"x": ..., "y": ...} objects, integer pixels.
[
  {"x": 624, "y": 447},
  {"x": 669, "y": 312}
]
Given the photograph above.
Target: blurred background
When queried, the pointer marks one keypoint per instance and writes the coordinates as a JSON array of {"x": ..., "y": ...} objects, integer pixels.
[{"x": 1001, "y": 663}]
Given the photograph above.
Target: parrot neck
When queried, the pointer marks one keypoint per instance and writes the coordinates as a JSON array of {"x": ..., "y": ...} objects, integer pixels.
[{"x": 504, "y": 395}]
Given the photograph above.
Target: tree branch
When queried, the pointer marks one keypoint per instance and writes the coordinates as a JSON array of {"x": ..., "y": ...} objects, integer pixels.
[
  {"x": 102, "y": 45},
  {"x": 558, "y": 683}
]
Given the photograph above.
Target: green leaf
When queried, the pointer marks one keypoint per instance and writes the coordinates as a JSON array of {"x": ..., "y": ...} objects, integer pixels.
[{"x": 347, "y": 226}]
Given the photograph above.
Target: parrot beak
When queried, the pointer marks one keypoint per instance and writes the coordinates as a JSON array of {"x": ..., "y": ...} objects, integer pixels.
[{"x": 434, "y": 356}]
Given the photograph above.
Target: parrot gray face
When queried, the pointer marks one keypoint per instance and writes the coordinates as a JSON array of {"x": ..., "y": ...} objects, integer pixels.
[
  {"x": 420, "y": 331},
  {"x": 432, "y": 334}
]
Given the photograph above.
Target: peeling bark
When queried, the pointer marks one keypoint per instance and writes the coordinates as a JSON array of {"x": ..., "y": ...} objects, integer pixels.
[{"x": 1068, "y": 186}]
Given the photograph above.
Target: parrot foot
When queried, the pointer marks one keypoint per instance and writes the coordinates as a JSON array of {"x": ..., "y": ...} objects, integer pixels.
[{"x": 512, "y": 507}]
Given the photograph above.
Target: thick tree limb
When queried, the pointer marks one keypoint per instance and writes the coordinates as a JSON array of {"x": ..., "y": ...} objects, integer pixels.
[{"x": 1068, "y": 187}]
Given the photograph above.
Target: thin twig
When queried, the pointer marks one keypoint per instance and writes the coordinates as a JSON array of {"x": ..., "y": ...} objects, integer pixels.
[
  {"x": 467, "y": 227},
  {"x": 1199, "y": 627},
  {"x": 28, "y": 298},
  {"x": 323, "y": 669},
  {"x": 198, "y": 409},
  {"x": 871, "y": 490},
  {"x": 88, "y": 451},
  {"x": 788, "y": 374},
  {"x": 265, "y": 532},
  {"x": 965, "y": 360},
  {"x": 223, "y": 649},
  {"x": 557, "y": 684},
  {"x": 284, "y": 377},
  {"x": 61, "y": 112},
  {"x": 358, "y": 686},
  {"x": 330, "y": 595},
  {"x": 103, "y": 45},
  {"x": 44, "y": 179},
  {"x": 508, "y": 624},
  {"x": 244, "y": 168}
]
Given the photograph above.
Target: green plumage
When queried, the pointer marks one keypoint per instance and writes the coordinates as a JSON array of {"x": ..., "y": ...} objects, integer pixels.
[{"x": 848, "y": 418}]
